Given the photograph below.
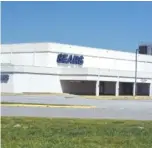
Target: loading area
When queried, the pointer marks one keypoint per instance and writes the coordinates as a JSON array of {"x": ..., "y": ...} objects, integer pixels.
[{"x": 81, "y": 87}]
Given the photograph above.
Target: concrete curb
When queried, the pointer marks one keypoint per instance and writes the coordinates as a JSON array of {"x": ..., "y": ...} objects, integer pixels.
[{"x": 45, "y": 106}]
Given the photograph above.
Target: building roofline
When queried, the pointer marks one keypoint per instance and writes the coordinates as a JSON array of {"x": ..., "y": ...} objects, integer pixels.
[{"x": 66, "y": 44}]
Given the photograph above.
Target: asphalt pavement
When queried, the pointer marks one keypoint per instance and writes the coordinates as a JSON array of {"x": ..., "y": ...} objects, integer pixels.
[
  {"x": 96, "y": 113},
  {"x": 105, "y": 109}
]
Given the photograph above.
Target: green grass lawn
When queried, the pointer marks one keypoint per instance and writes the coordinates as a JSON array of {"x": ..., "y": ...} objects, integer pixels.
[{"x": 74, "y": 133}]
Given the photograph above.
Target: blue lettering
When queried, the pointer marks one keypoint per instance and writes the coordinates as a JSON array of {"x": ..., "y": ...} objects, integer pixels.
[
  {"x": 76, "y": 59},
  {"x": 4, "y": 78},
  {"x": 81, "y": 60},
  {"x": 65, "y": 60},
  {"x": 72, "y": 59},
  {"x": 59, "y": 58}
]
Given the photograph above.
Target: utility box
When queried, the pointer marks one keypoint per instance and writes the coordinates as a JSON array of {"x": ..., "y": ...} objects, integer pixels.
[{"x": 145, "y": 49}]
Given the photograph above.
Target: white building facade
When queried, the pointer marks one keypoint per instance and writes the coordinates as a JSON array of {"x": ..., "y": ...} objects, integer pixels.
[{"x": 62, "y": 68}]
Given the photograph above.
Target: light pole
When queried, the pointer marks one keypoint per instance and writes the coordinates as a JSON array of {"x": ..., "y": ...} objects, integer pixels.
[{"x": 136, "y": 64}]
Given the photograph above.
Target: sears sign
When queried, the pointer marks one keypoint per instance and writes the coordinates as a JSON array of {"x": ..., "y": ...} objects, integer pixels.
[{"x": 70, "y": 59}]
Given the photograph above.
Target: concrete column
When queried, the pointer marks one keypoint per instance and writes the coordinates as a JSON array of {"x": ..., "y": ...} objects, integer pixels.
[
  {"x": 117, "y": 89},
  {"x": 150, "y": 90},
  {"x": 97, "y": 88},
  {"x": 134, "y": 89}
]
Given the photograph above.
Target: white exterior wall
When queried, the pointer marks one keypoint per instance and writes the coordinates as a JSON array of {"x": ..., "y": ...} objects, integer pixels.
[
  {"x": 36, "y": 83},
  {"x": 46, "y": 54},
  {"x": 29, "y": 59},
  {"x": 20, "y": 82},
  {"x": 111, "y": 64},
  {"x": 49, "y": 60}
]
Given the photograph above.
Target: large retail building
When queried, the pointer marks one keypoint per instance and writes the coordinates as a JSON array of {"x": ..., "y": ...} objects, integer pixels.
[{"x": 63, "y": 68}]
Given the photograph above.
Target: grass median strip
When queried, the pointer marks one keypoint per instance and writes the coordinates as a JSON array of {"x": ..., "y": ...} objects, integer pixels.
[
  {"x": 76, "y": 133},
  {"x": 44, "y": 105}
]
